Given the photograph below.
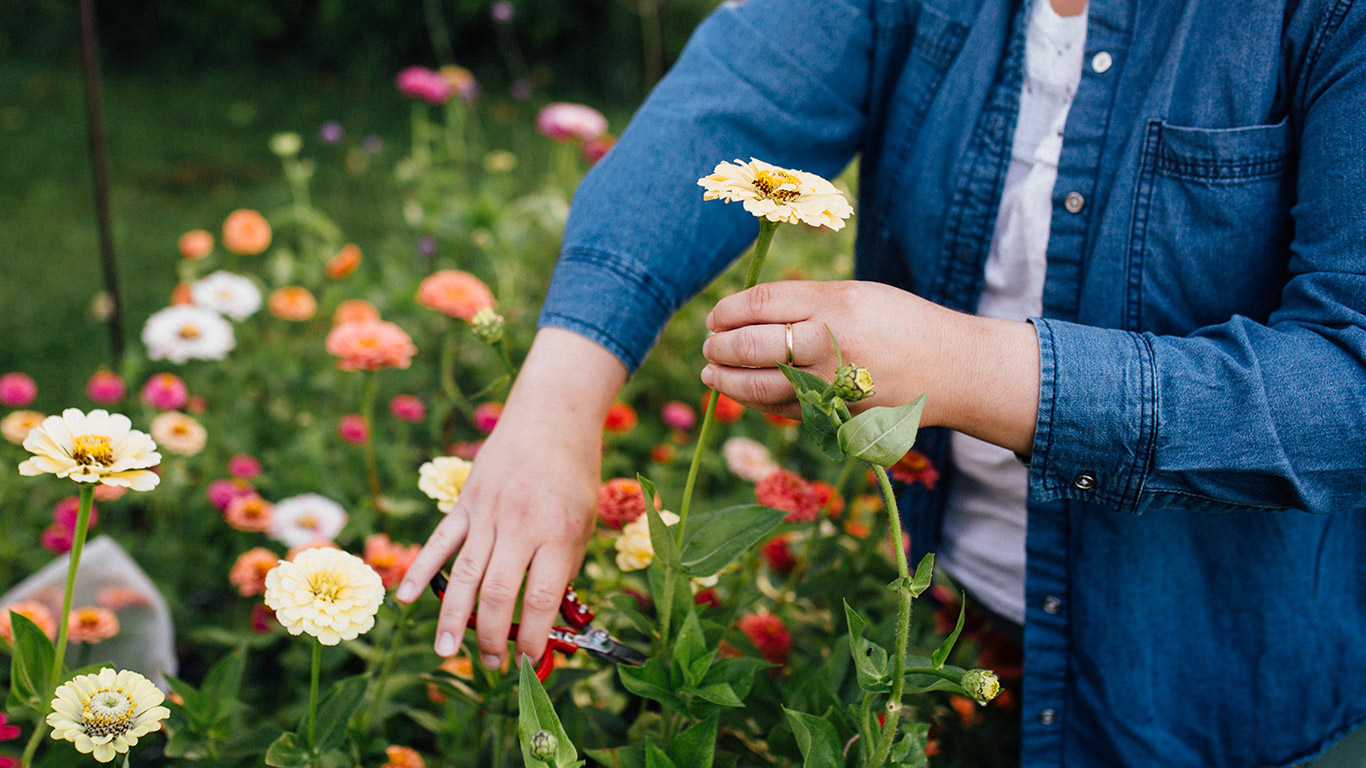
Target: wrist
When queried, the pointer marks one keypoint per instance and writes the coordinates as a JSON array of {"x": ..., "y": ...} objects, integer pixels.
[
  {"x": 990, "y": 388},
  {"x": 567, "y": 382}
]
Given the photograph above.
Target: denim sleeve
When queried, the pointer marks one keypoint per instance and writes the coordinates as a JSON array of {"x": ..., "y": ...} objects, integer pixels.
[
  {"x": 1240, "y": 415},
  {"x": 780, "y": 80}
]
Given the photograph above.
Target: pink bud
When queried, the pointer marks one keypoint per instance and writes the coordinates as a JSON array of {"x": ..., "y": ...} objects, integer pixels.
[
  {"x": 244, "y": 466},
  {"x": 486, "y": 416},
  {"x": 17, "y": 390},
  {"x": 409, "y": 408},
  {"x": 351, "y": 428},
  {"x": 166, "y": 392},
  {"x": 105, "y": 388},
  {"x": 678, "y": 415}
]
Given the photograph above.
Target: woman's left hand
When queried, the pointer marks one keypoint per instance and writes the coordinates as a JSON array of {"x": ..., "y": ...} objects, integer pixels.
[{"x": 981, "y": 375}]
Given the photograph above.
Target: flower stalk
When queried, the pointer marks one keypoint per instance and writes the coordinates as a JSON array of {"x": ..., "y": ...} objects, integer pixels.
[
  {"x": 313, "y": 701},
  {"x": 903, "y": 614},
  {"x": 390, "y": 659},
  {"x": 367, "y": 412}
]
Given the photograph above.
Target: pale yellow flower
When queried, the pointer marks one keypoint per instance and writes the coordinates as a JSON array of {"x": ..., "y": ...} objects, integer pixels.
[
  {"x": 178, "y": 433},
  {"x": 106, "y": 713},
  {"x": 16, "y": 426},
  {"x": 634, "y": 550},
  {"x": 443, "y": 478},
  {"x": 98, "y": 447},
  {"x": 330, "y": 594},
  {"x": 778, "y": 194}
]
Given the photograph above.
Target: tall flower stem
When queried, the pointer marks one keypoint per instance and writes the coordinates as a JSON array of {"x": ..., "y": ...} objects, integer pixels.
[
  {"x": 367, "y": 414},
  {"x": 903, "y": 625},
  {"x": 313, "y": 701},
  {"x": 390, "y": 659},
  {"x": 422, "y": 152}
]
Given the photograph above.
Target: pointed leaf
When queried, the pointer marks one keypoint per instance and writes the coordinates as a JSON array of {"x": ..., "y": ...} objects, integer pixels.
[
  {"x": 662, "y": 536},
  {"x": 737, "y": 672},
  {"x": 656, "y": 757},
  {"x": 695, "y": 747},
  {"x": 718, "y": 693},
  {"x": 619, "y": 757},
  {"x": 287, "y": 752},
  {"x": 691, "y": 648},
  {"x": 816, "y": 411},
  {"x": 924, "y": 573},
  {"x": 31, "y": 663},
  {"x": 870, "y": 659},
  {"x": 942, "y": 653},
  {"x": 909, "y": 752},
  {"x": 882, "y": 436},
  {"x": 335, "y": 711},
  {"x": 714, "y": 539},
  {"x": 650, "y": 681},
  {"x": 807, "y": 383},
  {"x": 536, "y": 713},
  {"x": 816, "y": 738}
]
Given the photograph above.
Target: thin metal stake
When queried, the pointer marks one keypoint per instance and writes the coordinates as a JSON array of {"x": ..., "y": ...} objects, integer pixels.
[{"x": 100, "y": 172}]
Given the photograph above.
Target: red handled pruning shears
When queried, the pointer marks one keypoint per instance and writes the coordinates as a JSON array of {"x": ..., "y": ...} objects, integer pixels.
[{"x": 579, "y": 635}]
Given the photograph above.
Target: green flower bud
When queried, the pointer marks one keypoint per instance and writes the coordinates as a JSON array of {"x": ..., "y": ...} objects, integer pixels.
[
  {"x": 286, "y": 144},
  {"x": 488, "y": 325},
  {"x": 981, "y": 685},
  {"x": 544, "y": 745},
  {"x": 853, "y": 383}
]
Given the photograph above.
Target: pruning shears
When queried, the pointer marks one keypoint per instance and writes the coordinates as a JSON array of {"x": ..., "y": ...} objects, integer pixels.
[{"x": 579, "y": 635}]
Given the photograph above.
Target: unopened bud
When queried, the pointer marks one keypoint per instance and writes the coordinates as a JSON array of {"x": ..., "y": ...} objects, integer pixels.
[
  {"x": 981, "y": 685},
  {"x": 544, "y": 745},
  {"x": 286, "y": 144},
  {"x": 853, "y": 383},
  {"x": 488, "y": 325}
]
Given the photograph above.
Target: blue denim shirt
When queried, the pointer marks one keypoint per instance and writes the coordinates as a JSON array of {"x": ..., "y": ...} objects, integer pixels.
[{"x": 1196, "y": 574}]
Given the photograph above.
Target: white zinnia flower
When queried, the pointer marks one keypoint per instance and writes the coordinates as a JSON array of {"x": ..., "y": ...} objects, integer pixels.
[
  {"x": 17, "y": 424},
  {"x": 306, "y": 519},
  {"x": 106, "y": 713},
  {"x": 183, "y": 332},
  {"x": 442, "y": 479},
  {"x": 233, "y": 295},
  {"x": 96, "y": 448},
  {"x": 179, "y": 434},
  {"x": 748, "y": 459},
  {"x": 634, "y": 550},
  {"x": 778, "y": 194},
  {"x": 328, "y": 593}
]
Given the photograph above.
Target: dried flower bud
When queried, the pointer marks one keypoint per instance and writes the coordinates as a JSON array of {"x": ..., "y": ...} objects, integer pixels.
[
  {"x": 286, "y": 144},
  {"x": 981, "y": 685},
  {"x": 544, "y": 745},
  {"x": 853, "y": 383},
  {"x": 488, "y": 325}
]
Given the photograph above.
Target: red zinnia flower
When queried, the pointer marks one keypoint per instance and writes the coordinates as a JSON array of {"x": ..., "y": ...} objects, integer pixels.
[
  {"x": 769, "y": 635},
  {"x": 789, "y": 491}
]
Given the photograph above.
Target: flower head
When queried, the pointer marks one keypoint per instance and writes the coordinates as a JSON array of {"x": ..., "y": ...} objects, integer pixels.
[
  {"x": 246, "y": 232},
  {"x": 17, "y": 390},
  {"x": 328, "y": 593},
  {"x": 461, "y": 81},
  {"x": 423, "y": 84},
  {"x": 344, "y": 263},
  {"x": 570, "y": 122},
  {"x": 488, "y": 325},
  {"x": 195, "y": 244},
  {"x": 165, "y": 392},
  {"x": 105, "y": 388},
  {"x": 119, "y": 597},
  {"x": 249, "y": 512},
  {"x": 486, "y": 416},
  {"x": 454, "y": 293},
  {"x": 352, "y": 429},
  {"x": 679, "y": 415},
  {"x": 596, "y": 149},
  {"x": 8, "y": 732},
  {"x": 769, "y": 635},
  {"x": 92, "y": 624},
  {"x": 180, "y": 333},
  {"x": 306, "y": 519},
  {"x": 178, "y": 433},
  {"x": 621, "y": 418},
  {"x": 221, "y": 493},
  {"x": 67, "y": 510},
  {"x": 409, "y": 408},
  {"x": 443, "y": 478},
  {"x": 16, "y": 425},
  {"x": 748, "y": 459},
  {"x": 778, "y": 554},
  {"x": 355, "y": 311},
  {"x": 544, "y": 745},
  {"x": 853, "y": 383},
  {"x": 227, "y": 293},
  {"x": 789, "y": 491},
  {"x": 331, "y": 132},
  {"x": 96, "y": 448},
  {"x": 635, "y": 551},
  {"x": 728, "y": 411},
  {"x": 249, "y": 571},
  {"x": 915, "y": 467},
  {"x": 34, "y": 611},
  {"x": 107, "y": 712},
  {"x": 390, "y": 560},
  {"x": 244, "y": 466},
  {"x": 778, "y": 194},
  {"x": 981, "y": 684},
  {"x": 620, "y": 500},
  {"x": 293, "y": 303},
  {"x": 403, "y": 757},
  {"x": 370, "y": 346}
]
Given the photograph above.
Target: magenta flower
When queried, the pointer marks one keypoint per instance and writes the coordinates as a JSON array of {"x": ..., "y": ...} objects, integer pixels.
[
  {"x": 424, "y": 84},
  {"x": 409, "y": 408},
  {"x": 502, "y": 11},
  {"x": 105, "y": 388},
  {"x": 562, "y": 121},
  {"x": 165, "y": 392},
  {"x": 486, "y": 416},
  {"x": 678, "y": 415},
  {"x": 222, "y": 492},
  {"x": 66, "y": 511},
  {"x": 17, "y": 390},
  {"x": 56, "y": 539},
  {"x": 351, "y": 428},
  {"x": 243, "y": 466}
]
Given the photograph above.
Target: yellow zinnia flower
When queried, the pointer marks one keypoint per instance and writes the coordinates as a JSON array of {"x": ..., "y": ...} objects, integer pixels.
[
  {"x": 443, "y": 478},
  {"x": 330, "y": 594},
  {"x": 635, "y": 551},
  {"x": 98, "y": 447},
  {"x": 778, "y": 194},
  {"x": 106, "y": 713}
]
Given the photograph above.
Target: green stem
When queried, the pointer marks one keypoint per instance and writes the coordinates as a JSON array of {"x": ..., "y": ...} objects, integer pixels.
[
  {"x": 502, "y": 349},
  {"x": 903, "y": 615},
  {"x": 421, "y": 142},
  {"x": 313, "y": 700},
  {"x": 390, "y": 659},
  {"x": 367, "y": 414}
]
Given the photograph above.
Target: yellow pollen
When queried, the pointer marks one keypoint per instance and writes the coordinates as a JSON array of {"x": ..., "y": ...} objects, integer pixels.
[
  {"x": 93, "y": 449},
  {"x": 180, "y": 429},
  {"x": 777, "y": 185},
  {"x": 189, "y": 331},
  {"x": 308, "y": 521},
  {"x": 326, "y": 586},
  {"x": 108, "y": 712}
]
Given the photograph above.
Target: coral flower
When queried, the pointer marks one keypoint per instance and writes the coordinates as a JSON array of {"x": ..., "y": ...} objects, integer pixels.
[
  {"x": 454, "y": 293},
  {"x": 195, "y": 244},
  {"x": 443, "y": 478},
  {"x": 96, "y": 448},
  {"x": 179, "y": 434},
  {"x": 16, "y": 426},
  {"x": 92, "y": 624},
  {"x": 294, "y": 303},
  {"x": 228, "y": 294},
  {"x": 620, "y": 501},
  {"x": 180, "y": 333},
  {"x": 389, "y": 560},
  {"x": 105, "y": 388},
  {"x": 17, "y": 390},
  {"x": 34, "y": 611},
  {"x": 915, "y": 467},
  {"x": 727, "y": 410},
  {"x": 679, "y": 415},
  {"x": 246, "y": 232},
  {"x": 621, "y": 418},
  {"x": 570, "y": 122},
  {"x": 244, "y": 466},
  {"x": 344, "y": 263},
  {"x": 831, "y": 501},
  {"x": 789, "y": 491},
  {"x": 181, "y": 295},
  {"x": 748, "y": 459},
  {"x": 119, "y": 597},
  {"x": 409, "y": 408},
  {"x": 352, "y": 429},
  {"x": 249, "y": 513},
  {"x": 663, "y": 453},
  {"x": 403, "y": 757},
  {"x": 461, "y": 81},
  {"x": 165, "y": 392},
  {"x": 107, "y": 712},
  {"x": 306, "y": 519},
  {"x": 108, "y": 493},
  {"x": 778, "y": 194},
  {"x": 370, "y": 346},
  {"x": 423, "y": 84},
  {"x": 355, "y": 311},
  {"x": 635, "y": 551},
  {"x": 769, "y": 635},
  {"x": 249, "y": 571},
  {"x": 330, "y": 594},
  {"x": 486, "y": 416}
]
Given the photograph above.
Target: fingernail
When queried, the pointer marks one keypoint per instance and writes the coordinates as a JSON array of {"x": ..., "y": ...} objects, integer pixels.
[
  {"x": 445, "y": 644},
  {"x": 407, "y": 591},
  {"x": 707, "y": 375},
  {"x": 708, "y": 321},
  {"x": 490, "y": 661}
]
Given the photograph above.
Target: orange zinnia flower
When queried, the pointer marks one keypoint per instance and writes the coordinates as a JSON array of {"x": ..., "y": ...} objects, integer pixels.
[
  {"x": 92, "y": 624},
  {"x": 248, "y": 574},
  {"x": 249, "y": 513},
  {"x": 454, "y": 293},
  {"x": 32, "y": 610},
  {"x": 370, "y": 346},
  {"x": 355, "y": 311},
  {"x": 195, "y": 244},
  {"x": 246, "y": 232},
  {"x": 294, "y": 303},
  {"x": 345, "y": 262}
]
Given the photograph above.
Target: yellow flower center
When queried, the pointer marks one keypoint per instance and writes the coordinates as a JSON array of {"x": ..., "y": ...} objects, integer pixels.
[
  {"x": 88, "y": 618},
  {"x": 326, "y": 586},
  {"x": 189, "y": 331},
  {"x": 108, "y": 712},
  {"x": 93, "y": 449},
  {"x": 308, "y": 521},
  {"x": 180, "y": 429},
  {"x": 774, "y": 185}
]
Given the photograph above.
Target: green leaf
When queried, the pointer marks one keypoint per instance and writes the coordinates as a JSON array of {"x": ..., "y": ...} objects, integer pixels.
[
  {"x": 882, "y": 436},
  {"x": 816, "y": 738},
  {"x": 814, "y": 394},
  {"x": 717, "y": 693},
  {"x": 691, "y": 648},
  {"x": 695, "y": 747},
  {"x": 31, "y": 663},
  {"x": 909, "y": 752},
  {"x": 924, "y": 573},
  {"x": 662, "y": 538},
  {"x": 619, "y": 757},
  {"x": 627, "y": 606},
  {"x": 941, "y": 654},
  {"x": 287, "y": 752},
  {"x": 656, "y": 757},
  {"x": 870, "y": 659},
  {"x": 650, "y": 681},
  {"x": 536, "y": 713},
  {"x": 737, "y": 672},
  {"x": 807, "y": 384},
  {"x": 714, "y": 539},
  {"x": 335, "y": 711},
  {"x": 222, "y": 683}
]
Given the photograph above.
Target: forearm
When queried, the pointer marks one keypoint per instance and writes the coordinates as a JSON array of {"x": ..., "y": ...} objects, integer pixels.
[
  {"x": 567, "y": 379},
  {"x": 988, "y": 384}
]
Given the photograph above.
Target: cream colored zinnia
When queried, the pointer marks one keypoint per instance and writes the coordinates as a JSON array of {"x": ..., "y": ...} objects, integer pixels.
[
  {"x": 778, "y": 194},
  {"x": 16, "y": 426},
  {"x": 98, "y": 447},
  {"x": 178, "y": 433},
  {"x": 107, "y": 712},
  {"x": 330, "y": 594},
  {"x": 634, "y": 549},
  {"x": 443, "y": 478}
]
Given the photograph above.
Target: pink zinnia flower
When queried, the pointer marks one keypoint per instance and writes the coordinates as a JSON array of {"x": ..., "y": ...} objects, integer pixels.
[
  {"x": 789, "y": 491},
  {"x": 389, "y": 560},
  {"x": 8, "y": 732},
  {"x": 166, "y": 392},
  {"x": 409, "y": 408},
  {"x": 596, "y": 149},
  {"x": 424, "y": 84},
  {"x": 620, "y": 501},
  {"x": 65, "y": 512},
  {"x": 109, "y": 493},
  {"x": 454, "y": 293},
  {"x": 244, "y": 466},
  {"x": 351, "y": 428},
  {"x": 91, "y": 624},
  {"x": 222, "y": 492},
  {"x": 355, "y": 311},
  {"x": 486, "y": 416},
  {"x": 249, "y": 513},
  {"x": 262, "y": 619},
  {"x": 56, "y": 539},
  {"x": 678, "y": 415},
  {"x": 570, "y": 122},
  {"x": 249, "y": 571},
  {"x": 17, "y": 390},
  {"x": 769, "y": 635},
  {"x": 370, "y": 346},
  {"x": 34, "y": 611},
  {"x": 105, "y": 388}
]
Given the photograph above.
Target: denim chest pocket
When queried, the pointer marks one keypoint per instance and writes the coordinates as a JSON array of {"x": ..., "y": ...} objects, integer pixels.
[{"x": 1211, "y": 226}]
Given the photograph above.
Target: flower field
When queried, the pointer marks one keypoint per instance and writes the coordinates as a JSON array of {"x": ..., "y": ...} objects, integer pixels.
[{"x": 299, "y": 409}]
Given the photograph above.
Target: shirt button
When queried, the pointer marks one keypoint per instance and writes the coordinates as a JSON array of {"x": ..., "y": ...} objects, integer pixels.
[
  {"x": 1102, "y": 62},
  {"x": 1051, "y": 605},
  {"x": 1048, "y": 716},
  {"x": 1073, "y": 202},
  {"x": 1085, "y": 480}
]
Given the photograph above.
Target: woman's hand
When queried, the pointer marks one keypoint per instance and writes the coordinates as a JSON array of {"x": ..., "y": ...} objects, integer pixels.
[
  {"x": 528, "y": 507},
  {"x": 981, "y": 375}
]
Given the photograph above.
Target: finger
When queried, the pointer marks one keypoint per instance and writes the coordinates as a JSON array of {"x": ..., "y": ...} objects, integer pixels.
[
  {"x": 761, "y": 387},
  {"x": 545, "y": 583},
  {"x": 759, "y": 346},
  {"x": 780, "y": 302},
  {"x": 498, "y": 598},
  {"x": 443, "y": 542},
  {"x": 466, "y": 573}
]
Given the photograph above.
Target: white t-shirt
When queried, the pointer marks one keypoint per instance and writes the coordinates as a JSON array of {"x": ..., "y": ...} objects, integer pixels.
[{"x": 984, "y": 527}]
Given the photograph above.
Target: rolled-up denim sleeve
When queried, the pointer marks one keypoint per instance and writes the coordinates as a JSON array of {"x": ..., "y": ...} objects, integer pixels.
[
  {"x": 781, "y": 80},
  {"x": 1239, "y": 415}
]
